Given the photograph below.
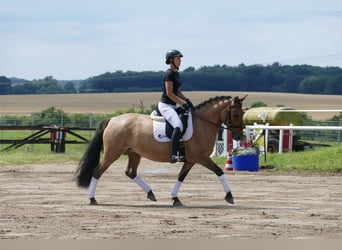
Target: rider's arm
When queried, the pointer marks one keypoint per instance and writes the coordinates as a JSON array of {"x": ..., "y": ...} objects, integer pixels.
[
  {"x": 181, "y": 95},
  {"x": 177, "y": 99}
]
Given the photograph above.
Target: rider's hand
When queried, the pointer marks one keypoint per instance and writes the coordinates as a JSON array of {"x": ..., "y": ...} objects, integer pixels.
[
  {"x": 189, "y": 103},
  {"x": 186, "y": 106}
]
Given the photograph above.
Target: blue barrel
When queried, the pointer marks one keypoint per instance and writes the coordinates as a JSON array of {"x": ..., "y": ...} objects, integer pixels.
[{"x": 245, "y": 163}]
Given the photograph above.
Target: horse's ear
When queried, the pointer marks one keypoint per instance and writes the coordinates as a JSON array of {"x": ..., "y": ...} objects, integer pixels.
[{"x": 243, "y": 98}]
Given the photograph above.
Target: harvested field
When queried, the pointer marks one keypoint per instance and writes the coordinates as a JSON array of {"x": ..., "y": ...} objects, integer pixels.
[
  {"x": 43, "y": 202},
  {"x": 110, "y": 102}
]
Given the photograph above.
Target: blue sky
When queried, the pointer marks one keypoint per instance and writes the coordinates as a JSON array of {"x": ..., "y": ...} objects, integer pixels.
[{"x": 77, "y": 39}]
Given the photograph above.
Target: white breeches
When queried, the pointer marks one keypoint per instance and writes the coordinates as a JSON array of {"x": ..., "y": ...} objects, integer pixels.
[{"x": 169, "y": 113}]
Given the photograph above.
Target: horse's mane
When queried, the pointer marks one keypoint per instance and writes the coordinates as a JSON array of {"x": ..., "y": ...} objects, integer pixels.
[{"x": 212, "y": 99}]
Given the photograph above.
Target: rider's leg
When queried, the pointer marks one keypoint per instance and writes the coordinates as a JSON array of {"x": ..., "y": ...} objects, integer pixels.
[
  {"x": 169, "y": 113},
  {"x": 174, "y": 146}
]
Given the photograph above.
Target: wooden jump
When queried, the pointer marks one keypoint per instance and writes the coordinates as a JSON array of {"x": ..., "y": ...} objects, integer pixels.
[{"x": 57, "y": 138}]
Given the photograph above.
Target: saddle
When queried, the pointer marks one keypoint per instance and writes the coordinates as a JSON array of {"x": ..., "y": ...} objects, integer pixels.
[{"x": 162, "y": 129}]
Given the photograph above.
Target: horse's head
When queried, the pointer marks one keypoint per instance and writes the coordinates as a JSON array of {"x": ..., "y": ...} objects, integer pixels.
[{"x": 233, "y": 117}]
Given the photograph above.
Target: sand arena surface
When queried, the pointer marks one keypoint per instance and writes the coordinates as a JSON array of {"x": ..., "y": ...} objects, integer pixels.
[{"x": 43, "y": 202}]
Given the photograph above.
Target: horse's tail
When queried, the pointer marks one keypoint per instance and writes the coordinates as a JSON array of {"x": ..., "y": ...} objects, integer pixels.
[{"x": 91, "y": 157}]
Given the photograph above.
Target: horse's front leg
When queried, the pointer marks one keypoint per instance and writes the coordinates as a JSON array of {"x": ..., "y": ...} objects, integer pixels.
[
  {"x": 208, "y": 163},
  {"x": 181, "y": 176}
]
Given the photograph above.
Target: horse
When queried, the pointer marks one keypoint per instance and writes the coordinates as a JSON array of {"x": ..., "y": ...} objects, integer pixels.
[{"x": 132, "y": 134}]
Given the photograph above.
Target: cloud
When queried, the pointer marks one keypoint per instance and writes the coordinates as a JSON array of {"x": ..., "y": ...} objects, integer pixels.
[{"x": 78, "y": 39}]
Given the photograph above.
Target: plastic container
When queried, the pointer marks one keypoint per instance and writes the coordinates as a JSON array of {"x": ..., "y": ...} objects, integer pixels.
[
  {"x": 246, "y": 163},
  {"x": 272, "y": 116}
]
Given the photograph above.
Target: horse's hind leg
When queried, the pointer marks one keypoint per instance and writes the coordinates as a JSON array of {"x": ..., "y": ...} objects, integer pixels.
[
  {"x": 98, "y": 171},
  {"x": 131, "y": 172}
]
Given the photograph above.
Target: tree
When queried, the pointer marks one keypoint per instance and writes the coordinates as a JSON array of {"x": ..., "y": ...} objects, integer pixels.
[
  {"x": 5, "y": 85},
  {"x": 189, "y": 69},
  {"x": 69, "y": 87},
  {"x": 258, "y": 104},
  {"x": 271, "y": 78},
  {"x": 53, "y": 116},
  {"x": 48, "y": 85},
  {"x": 311, "y": 85},
  {"x": 334, "y": 85}
]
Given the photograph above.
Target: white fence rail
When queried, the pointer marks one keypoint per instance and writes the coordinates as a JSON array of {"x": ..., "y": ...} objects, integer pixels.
[
  {"x": 220, "y": 148},
  {"x": 281, "y": 129}
]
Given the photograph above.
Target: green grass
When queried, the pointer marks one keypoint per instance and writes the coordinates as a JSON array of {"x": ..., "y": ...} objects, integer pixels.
[
  {"x": 19, "y": 157},
  {"x": 321, "y": 160},
  {"x": 40, "y": 153}
]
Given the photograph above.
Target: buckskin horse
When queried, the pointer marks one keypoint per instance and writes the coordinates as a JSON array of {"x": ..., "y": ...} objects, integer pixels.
[{"x": 132, "y": 134}]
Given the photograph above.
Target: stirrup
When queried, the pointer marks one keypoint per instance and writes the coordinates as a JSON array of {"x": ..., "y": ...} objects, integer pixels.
[
  {"x": 173, "y": 158},
  {"x": 176, "y": 158},
  {"x": 181, "y": 158}
]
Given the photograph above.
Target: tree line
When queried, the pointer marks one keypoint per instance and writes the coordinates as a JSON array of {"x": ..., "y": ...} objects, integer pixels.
[{"x": 271, "y": 78}]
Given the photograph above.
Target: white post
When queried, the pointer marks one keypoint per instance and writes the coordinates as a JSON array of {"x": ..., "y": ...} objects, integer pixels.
[
  {"x": 292, "y": 128},
  {"x": 281, "y": 138},
  {"x": 266, "y": 137},
  {"x": 290, "y": 138},
  {"x": 248, "y": 132},
  {"x": 225, "y": 142},
  {"x": 236, "y": 144}
]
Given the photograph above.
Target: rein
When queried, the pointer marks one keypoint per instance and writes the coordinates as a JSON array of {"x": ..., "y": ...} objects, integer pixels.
[
  {"x": 210, "y": 122},
  {"x": 228, "y": 117}
]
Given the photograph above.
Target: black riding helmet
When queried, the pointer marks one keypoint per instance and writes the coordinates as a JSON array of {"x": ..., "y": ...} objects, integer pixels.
[{"x": 171, "y": 54}]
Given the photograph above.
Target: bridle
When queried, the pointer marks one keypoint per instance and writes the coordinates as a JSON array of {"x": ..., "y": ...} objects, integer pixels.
[
  {"x": 229, "y": 118},
  {"x": 229, "y": 125}
]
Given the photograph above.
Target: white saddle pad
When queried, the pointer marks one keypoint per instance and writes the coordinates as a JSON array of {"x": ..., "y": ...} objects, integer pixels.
[{"x": 159, "y": 130}]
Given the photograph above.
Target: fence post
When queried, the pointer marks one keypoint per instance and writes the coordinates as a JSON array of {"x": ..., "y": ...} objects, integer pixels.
[
  {"x": 225, "y": 141},
  {"x": 266, "y": 137},
  {"x": 91, "y": 118},
  {"x": 31, "y": 146},
  {"x": 58, "y": 140},
  {"x": 290, "y": 138},
  {"x": 281, "y": 139}
]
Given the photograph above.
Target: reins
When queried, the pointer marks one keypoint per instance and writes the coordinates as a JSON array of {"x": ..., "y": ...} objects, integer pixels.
[
  {"x": 228, "y": 117},
  {"x": 210, "y": 122}
]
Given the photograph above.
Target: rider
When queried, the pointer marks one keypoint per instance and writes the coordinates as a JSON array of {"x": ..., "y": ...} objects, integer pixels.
[{"x": 172, "y": 96}]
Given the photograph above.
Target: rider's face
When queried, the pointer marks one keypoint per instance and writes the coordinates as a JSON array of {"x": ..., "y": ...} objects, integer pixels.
[{"x": 177, "y": 61}]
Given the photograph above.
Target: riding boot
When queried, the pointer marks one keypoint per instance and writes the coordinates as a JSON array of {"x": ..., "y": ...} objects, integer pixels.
[{"x": 176, "y": 135}]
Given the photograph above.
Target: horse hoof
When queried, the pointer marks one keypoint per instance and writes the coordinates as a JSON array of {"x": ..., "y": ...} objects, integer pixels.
[
  {"x": 93, "y": 201},
  {"x": 229, "y": 198},
  {"x": 177, "y": 202},
  {"x": 150, "y": 195}
]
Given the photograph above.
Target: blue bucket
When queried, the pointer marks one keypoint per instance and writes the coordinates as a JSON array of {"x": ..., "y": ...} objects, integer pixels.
[{"x": 245, "y": 162}]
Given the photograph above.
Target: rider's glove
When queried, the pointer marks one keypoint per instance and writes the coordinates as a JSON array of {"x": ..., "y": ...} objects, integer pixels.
[
  {"x": 186, "y": 106},
  {"x": 189, "y": 103}
]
